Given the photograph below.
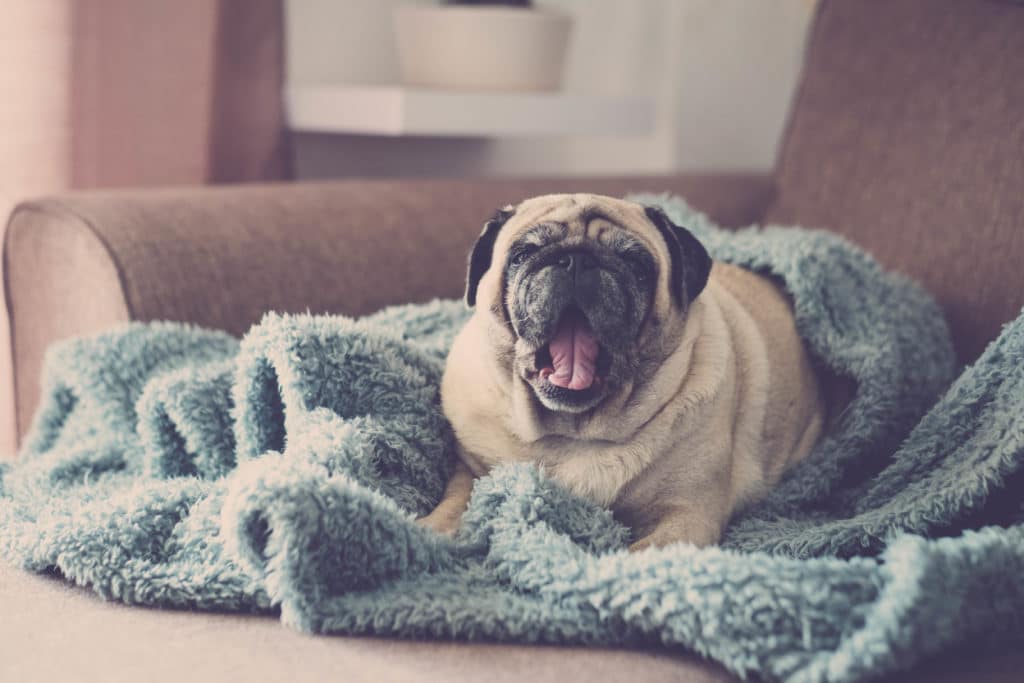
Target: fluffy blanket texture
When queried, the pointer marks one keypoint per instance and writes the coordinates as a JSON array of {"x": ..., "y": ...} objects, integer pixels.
[{"x": 176, "y": 466}]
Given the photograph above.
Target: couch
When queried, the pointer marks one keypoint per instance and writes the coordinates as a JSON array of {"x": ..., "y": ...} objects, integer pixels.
[{"x": 906, "y": 135}]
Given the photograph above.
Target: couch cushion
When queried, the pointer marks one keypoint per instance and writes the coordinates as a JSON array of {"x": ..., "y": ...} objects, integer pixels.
[
  {"x": 54, "y": 632},
  {"x": 907, "y": 135}
]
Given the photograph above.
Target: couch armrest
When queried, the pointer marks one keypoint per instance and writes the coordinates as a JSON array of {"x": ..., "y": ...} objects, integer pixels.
[{"x": 222, "y": 256}]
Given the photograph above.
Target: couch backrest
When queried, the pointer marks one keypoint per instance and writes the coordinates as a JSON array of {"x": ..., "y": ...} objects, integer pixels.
[{"x": 907, "y": 135}]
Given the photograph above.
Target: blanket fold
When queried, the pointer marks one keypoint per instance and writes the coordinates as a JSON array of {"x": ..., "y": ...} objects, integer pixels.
[
  {"x": 174, "y": 466},
  {"x": 184, "y": 422}
]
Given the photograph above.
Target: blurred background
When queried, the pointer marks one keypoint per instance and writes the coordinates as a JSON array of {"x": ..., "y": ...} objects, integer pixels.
[{"x": 117, "y": 93}]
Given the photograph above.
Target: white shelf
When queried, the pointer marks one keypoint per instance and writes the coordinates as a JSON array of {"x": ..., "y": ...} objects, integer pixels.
[{"x": 397, "y": 111}]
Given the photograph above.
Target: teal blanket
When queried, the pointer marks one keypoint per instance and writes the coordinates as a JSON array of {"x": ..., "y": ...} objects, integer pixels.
[{"x": 176, "y": 466}]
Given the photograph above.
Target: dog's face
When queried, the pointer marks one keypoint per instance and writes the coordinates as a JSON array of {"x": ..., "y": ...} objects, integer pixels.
[{"x": 578, "y": 287}]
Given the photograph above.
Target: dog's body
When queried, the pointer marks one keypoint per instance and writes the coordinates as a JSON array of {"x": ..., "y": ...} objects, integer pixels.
[{"x": 672, "y": 392}]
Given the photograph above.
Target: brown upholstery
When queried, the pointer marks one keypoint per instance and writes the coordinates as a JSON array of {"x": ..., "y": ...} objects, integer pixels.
[
  {"x": 223, "y": 257},
  {"x": 101, "y": 642},
  {"x": 907, "y": 135},
  {"x": 93, "y": 641}
]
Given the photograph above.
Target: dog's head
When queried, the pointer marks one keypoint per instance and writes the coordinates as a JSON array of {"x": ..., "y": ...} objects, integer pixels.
[{"x": 582, "y": 284}]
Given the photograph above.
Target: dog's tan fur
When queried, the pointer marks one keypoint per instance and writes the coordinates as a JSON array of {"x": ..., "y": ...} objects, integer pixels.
[{"x": 725, "y": 400}]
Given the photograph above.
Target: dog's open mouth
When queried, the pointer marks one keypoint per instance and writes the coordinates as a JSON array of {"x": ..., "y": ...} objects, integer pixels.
[{"x": 573, "y": 362}]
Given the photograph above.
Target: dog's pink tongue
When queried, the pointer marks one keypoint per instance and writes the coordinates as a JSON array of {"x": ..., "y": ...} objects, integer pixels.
[{"x": 573, "y": 354}]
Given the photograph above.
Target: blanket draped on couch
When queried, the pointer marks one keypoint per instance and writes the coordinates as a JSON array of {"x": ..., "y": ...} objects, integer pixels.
[{"x": 175, "y": 466}]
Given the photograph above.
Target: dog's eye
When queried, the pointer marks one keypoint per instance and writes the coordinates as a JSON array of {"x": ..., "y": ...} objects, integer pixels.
[{"x": 522, "y": 253}]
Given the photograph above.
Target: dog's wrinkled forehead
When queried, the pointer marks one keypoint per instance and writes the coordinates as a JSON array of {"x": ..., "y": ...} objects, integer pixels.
[
  {"x": 581, "y": 216},
  {"x": 621, "y": 227}
]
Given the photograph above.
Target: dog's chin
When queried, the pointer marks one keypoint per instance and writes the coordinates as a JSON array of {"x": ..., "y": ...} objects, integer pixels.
[{"x": 561, "y": 400}]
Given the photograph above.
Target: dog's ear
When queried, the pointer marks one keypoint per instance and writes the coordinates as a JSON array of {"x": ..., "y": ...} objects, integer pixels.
[
  {"x": 483, "y": 250},
  {"x": 691, "y": 264}
]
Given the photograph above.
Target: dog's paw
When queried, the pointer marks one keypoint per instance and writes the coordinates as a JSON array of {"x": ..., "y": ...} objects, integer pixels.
[
  {"x": 440, "y": 522},
  {"x": 642, "y": 544},
  {"x": 668, "y": 533}
]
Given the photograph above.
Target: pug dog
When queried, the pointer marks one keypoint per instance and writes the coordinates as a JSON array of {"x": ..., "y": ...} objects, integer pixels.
[{"x": 609, "y": 350}]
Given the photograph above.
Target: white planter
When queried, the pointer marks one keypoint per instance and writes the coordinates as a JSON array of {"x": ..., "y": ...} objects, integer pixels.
[{"x": 481, "y": 48}]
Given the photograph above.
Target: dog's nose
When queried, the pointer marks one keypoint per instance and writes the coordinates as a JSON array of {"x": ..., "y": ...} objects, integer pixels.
[
  {"x": 582, "y": 269},
  {"x": 574, "y": 261}
]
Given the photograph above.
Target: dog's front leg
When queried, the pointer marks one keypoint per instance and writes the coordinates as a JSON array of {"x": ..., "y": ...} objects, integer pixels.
[{"x": 447, "y": 516}]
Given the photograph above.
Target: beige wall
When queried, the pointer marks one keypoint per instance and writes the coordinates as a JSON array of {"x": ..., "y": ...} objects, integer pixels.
[
  {"x": 721, "y": 71},
  {"x": 34, "y": 131}
]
